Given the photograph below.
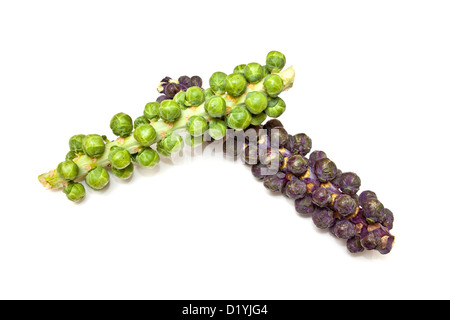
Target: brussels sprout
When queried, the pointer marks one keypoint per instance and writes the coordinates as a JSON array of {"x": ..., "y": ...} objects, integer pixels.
[
  {"x": 172, "y": 89},
  {"x": 169, "y": 110},
  {"x": 74, "y": 191},
  {"x": 294, "y": 188},
  {"x": 162, "y": 98},
  {"x": 97, "y": 178},
  {"x": 325, "y": 169},
  {"x": 321, "y": 197},
  {"x": 344, "y": 229},
  {"x": 366, "y": 196},
  {"x": 67, "y": 170},
  {"x": 345, "y": 204},
  {"x": 151, "y": 111},
  {"x": 258, "y": 119},
  {"x": 124, "y": 173},
  {"x": 256, "y": 102},
  {"x": 70, "y": 155},
  {"x": 305, "y": 205},
  {"x": 145, "y": 135},
  {"x": 250, "y": 154},
  {"x": 354, "y": 245},
  {"x": 217, "y": 82},
  {"x": 297, "y": 164},
  {"x": 316, "y": 155},
  {"x": 93, "y": 145},
  {"x": 272, "y": 123},
  {"x": 253, "y": 72},
  {"x": 258, "y": 171},
  {"x": 185, "y": 81},
  {"x": 349, "y": 183},
  {"x": 172, "y": 143},
  {"x": 194, "y": 96},
  {"x": 371, "y": 241},
  {"x": 119, "y": 157},
  {"x": 235, "y": 84},
  {"x": 180, "y": 99},
  {"x": 196, "y": 81},
  {"x": 196, "y": 126},
  {"x": 275, "y": 107},
  {"x": 140, "y": 121},
  {"x": 323, "y": 218},
  {"x": 216, "y": 107},
  {"x": 275, "y": 61},
  {"x": 389, "y": 218},
  {"x": 121, "y": 124},
  {"x": 209, "y": 93},
  {"x": 278, "y": 137},
  {"x": 147, "y": 158},
  {"x": 239, "y": 69},
  {"x": 275, "y": 183},
  {"x": 217, "y": 129},
  {"x": 76, "y": 143},
  {"x": 239, "y": 118},
  {"x": 300, "y": 143},
  {"x": 273, "y": 85},
  {"x": 373, "y": 211}
]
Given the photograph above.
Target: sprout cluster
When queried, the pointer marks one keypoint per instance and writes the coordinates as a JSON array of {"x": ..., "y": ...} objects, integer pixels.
[
  {"x": 245, "y": 97},
  {"x": 318, "y": 188}
]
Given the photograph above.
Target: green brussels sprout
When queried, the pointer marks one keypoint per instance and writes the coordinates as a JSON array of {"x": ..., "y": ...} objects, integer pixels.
[
  {"x": 209, "y": 93},
  {"x": 239, "y": 69},
  {"x": 235, "y": 84},
  {"x": 76, "y": 143},
  {"x": 239, "y": 118},
  {"x": 275, "y": 61},
  {"x": 97, "y": 178},
  {"x": 256, "y": 102},
  {"x": 217, "y": 129},
  {"x": 172, "y": 143},
  {"x": 216, "y": 107},
  {"x": 119, "y": 157},
  {"x": 67, "y": 170},
  {"x": 121, "y": 124},
  {"x": 194, "y": 96},
  {"x": 93, "y": 145},
  {"x": 217, "y": 82},
  {"x": 275, "y": 107},
  {"x": 253, "y": 72},
  {"x": 151, "y": 111},
  {"x": 74, "y": 191},
  {"x": 169, "y": 110},
  {"x": 147, "y": 158},
  {"x": 71, "y": 155},
  {"x": 180, "y": 98},
  {"x": 140, "y": 120},
  {"x": 196, "y": 126},
  {"x": 124, "y": 173},
  {"x": 258, "y": 119},
  {"x": 145, "y": 135},
  {"x": 273, "y": 84}
]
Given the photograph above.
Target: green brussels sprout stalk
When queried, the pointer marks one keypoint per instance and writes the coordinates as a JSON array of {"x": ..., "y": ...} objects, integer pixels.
[{"x": 92, "y": 151}]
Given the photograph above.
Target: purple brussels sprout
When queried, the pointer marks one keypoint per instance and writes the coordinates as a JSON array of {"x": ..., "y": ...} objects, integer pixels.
[
  {"x": 305, "y": 205},
  {"x": 354, "y": 245},
  {"x": 275, "y": 182},
  {"x": 323, "y": 218},
  {"x": 162, "y": 98},
  {"x": 294, "y": 188},
  {"x": 278, "y": 137},
  {"x": 297, "y": 164},
  {"x": 371, "y": 241},
  {"x": 345, "y": 205},
  {"x": 196, "y": 81},
  {"x": 185, "y": 81},
  {"x": 273, "y": 123},
  {"x": 344, "y": 229},
  {"x": 388, "y": 222},
  {"x": 325, "y": 170},
  {"x": 316, "y": 155},
  {"x": 172, "y": 89},
  {"x": 300, "y": 143},
  {"x": 366, "y": 196},
  {"x": 373, "y": 211},
  {"x": 349, "y": 183},
  {"x": 321, "y": 197}
]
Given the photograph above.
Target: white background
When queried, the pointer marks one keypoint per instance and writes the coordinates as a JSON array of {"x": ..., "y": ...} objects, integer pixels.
[{"x": 372, "y": 90}]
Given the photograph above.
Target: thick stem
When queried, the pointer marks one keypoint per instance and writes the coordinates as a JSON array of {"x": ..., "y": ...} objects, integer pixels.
[{"x": 51, "y": 180}]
